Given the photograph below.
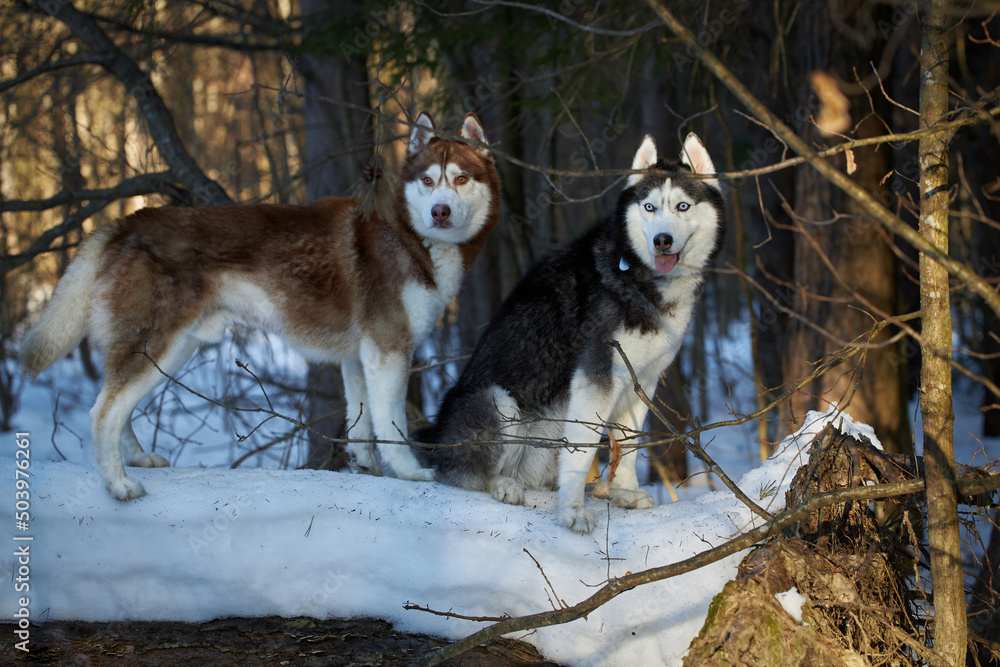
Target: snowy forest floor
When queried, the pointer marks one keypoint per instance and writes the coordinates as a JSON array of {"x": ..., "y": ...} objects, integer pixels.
[{"x": 181, "y": 570}]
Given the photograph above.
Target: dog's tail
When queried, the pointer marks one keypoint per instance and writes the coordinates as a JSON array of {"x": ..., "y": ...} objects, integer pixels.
[
  {"x": 468, "y": 424},
  {"x": 64, "y": 321}
]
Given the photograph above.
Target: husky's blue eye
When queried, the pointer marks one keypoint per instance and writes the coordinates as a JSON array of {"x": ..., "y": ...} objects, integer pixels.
[
  {"x": 683, "y": 206},
  {"x": 649, "y": 207}
]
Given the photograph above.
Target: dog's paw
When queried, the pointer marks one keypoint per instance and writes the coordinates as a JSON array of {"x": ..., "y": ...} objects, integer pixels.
[
  {"x": 632, "y": 500},
  {"x": 362, "y": 469},
  {"x": 363, "y": 461},
  {"x": 418, "y": 475},
  {"x": 126, "y": 488},
  {"x": 599, "y": 489},
  {"x": 507, "y": 490},
  {"x": 577, "y": 518},
  {"x": 148, "y": 460}
]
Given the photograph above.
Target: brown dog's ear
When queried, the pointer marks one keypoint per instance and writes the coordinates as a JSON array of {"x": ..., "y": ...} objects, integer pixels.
[
  {"x": 423, "y": 130},
  {"x": 472, "y": 130}
]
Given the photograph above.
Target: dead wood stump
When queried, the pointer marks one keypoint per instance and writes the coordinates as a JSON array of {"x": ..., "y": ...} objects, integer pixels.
[{"x": 852, "y": 563}]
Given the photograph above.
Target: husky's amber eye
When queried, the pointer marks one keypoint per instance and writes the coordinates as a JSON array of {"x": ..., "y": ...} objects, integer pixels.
[
  {"x": 462, "y": 180},
  {"x": 683, "y": 206},
  {"x": 649, "y": 207},
  {"x": 428, "y": 181}
]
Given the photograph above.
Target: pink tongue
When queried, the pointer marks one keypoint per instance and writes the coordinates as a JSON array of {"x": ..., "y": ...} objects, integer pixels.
[{"x": 665, "y": 262}]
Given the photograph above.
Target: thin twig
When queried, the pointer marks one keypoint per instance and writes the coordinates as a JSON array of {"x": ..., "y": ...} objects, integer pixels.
[{"x": 689, "y": 442}]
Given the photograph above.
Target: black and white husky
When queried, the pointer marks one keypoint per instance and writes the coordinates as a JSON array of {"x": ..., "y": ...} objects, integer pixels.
[{"x": 545, "y": 369}]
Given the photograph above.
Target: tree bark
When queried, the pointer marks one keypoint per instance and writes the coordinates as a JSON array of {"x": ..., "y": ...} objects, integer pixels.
[
  {"x": 337, "y": 145},
  {"x": 858, "y": 287},
  {"x": 938, "y": 417}
]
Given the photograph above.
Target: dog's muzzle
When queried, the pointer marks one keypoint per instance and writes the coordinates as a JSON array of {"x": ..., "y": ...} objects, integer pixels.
[{"x": 665, "y": 260}]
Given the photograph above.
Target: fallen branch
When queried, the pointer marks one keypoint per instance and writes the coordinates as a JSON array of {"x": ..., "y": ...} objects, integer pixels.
[{"x": 616, "y": 587}]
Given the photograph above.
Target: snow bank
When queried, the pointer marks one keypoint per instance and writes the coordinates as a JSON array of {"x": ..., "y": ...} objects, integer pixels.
[{"x": 210, "y": 543}]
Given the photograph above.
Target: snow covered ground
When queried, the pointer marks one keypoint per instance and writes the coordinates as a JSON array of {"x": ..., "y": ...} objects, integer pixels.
[{"x": 210, "y": 542}]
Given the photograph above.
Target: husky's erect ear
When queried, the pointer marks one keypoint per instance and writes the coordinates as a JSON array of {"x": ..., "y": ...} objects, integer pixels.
[
  {"x": 472, "y": 130},
  {"x": 695, "y": 156},
  {"x": 644, "y": 158},
  {"x": 422, "y": 133}
]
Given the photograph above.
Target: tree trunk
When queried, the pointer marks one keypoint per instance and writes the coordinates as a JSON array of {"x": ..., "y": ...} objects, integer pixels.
[
  {"x": 861, "y": 289},
  {"x": 337, "y": 145},
  {"x": 936, "y": 410}
]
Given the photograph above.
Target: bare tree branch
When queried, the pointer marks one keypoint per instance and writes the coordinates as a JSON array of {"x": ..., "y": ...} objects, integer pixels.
[
  {"x": 831, "y": 173},
  {"x": 132, "y": 187},
  {"x": 234, "y": 42},
  {"x": 98, "y": 199},
  {"x": 97, "y": 58},
  {"x": 42, "y": 243},
  {"x": 690, "y": 443},
  {"x": 579, "y": 26},
  {"x": 159, "y": 120}
]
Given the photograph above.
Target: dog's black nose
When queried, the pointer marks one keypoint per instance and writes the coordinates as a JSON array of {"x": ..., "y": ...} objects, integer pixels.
[
  {"x": 662, "y": 242},
  {"x": 441, "y": 212}
]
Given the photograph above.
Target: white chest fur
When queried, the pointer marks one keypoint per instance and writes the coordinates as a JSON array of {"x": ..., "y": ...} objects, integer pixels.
[
  {"x": 652, "y": 351},
  {"x": 424, "y": 304}
]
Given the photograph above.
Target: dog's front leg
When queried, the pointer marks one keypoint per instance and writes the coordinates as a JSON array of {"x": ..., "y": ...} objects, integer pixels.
[
  {"x": 359, "y": 420},
  {"x": 574, "y": 464},
  {"x": 386, "y": 373},
  {"x": 590, "y": 403},
  {"x": 624, "y": 489}
]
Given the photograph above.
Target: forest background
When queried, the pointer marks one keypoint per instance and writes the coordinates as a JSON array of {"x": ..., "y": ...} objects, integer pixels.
[{"x": 108, "y": 107}]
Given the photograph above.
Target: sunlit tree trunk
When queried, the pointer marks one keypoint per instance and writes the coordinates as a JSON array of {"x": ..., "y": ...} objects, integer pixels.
[{"x": 938, "y": 417}]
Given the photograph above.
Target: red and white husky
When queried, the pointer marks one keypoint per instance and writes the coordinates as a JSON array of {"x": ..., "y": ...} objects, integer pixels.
[{"x": 340, "y": 284}]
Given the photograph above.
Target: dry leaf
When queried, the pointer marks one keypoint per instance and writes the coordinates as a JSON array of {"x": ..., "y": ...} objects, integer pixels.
[
  {"x": 616, "y": 457},
  {"x": 852, "y": 166},
  {"x": 834, "y": 108}
]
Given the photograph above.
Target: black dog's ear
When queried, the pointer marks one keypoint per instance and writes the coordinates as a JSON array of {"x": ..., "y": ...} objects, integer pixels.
[
  {"x": 696, "y": 157},
  {"x": 644, "y": 158}
]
